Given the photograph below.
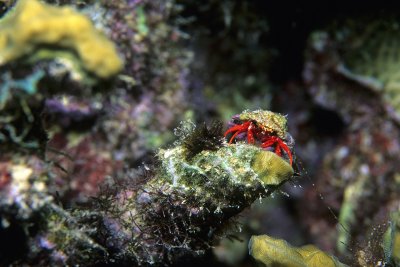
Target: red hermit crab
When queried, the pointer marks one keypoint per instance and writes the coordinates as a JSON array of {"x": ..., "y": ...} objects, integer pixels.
[{"x": 264, "y": 127}]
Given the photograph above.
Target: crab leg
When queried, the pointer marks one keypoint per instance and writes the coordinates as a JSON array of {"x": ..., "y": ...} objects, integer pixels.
[
  {"x": 267, "y": 144},
  {"x": 233, "y": 129},
  {"x": 240, "y": 128},
  {"x": 278, "y": 150},
  {"x": 270, "y": 141},
  {"x": 250, "y": 134},
  {"x": 234, "y": 135},
  {"x": 287, "y": 150}
]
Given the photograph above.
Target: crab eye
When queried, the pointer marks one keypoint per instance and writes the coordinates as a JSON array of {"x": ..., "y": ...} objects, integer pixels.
[
  {"x": 289, "y": 140},
  {"x": 236, "y": 121}
]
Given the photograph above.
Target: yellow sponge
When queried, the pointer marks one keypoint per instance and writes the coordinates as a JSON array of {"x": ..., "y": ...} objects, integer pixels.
[
  {"x": 271, "y": 169},
  {"x": 278, "y": 253},
  {"x": 35, "y": 31}
]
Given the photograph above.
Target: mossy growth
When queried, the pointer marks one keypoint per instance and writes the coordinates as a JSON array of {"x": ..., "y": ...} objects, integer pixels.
[
  {"x": 199, "y": 197},
  {"x": 22, "y": 88},
  {"x": 270, "y": 251},
  {"x": 33, "y": 31},
  {"x": 203, "y": 138},
  {"x": 242, "y": 164},
  {"x": 20, "y": 109},
  {"x": 391, "y": 240},
  {"x": 66, "y": 239}
]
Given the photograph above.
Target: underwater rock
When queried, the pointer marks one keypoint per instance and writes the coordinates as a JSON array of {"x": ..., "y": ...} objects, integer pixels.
[
  {"x": 369, "y": 56},
  {"x": 42, "y": 48},
  {"x": 172, "y": 209},
  {"x": 395, "y": 252},
  {"x": 350, "y": 71},
  {"x": 82, "y": 149},
  {"x": 22, "y": 88},
  {"x": 359, "y": 54},
  {"x": 23, "y": 188},
  {"x": 20, "y": 125},
  {"x": 241, "y": 164},
  {"x": 192, "y": 212},
  {"x": 182, "y": 204},
  {"x": 35, "y": 31}
]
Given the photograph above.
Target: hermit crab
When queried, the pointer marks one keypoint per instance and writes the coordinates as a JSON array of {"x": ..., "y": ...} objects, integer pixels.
[{"x": 266, "y": 128}]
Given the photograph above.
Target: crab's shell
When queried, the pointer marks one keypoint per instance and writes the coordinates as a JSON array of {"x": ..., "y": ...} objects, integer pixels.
[{"x": 268, "y": 121}]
